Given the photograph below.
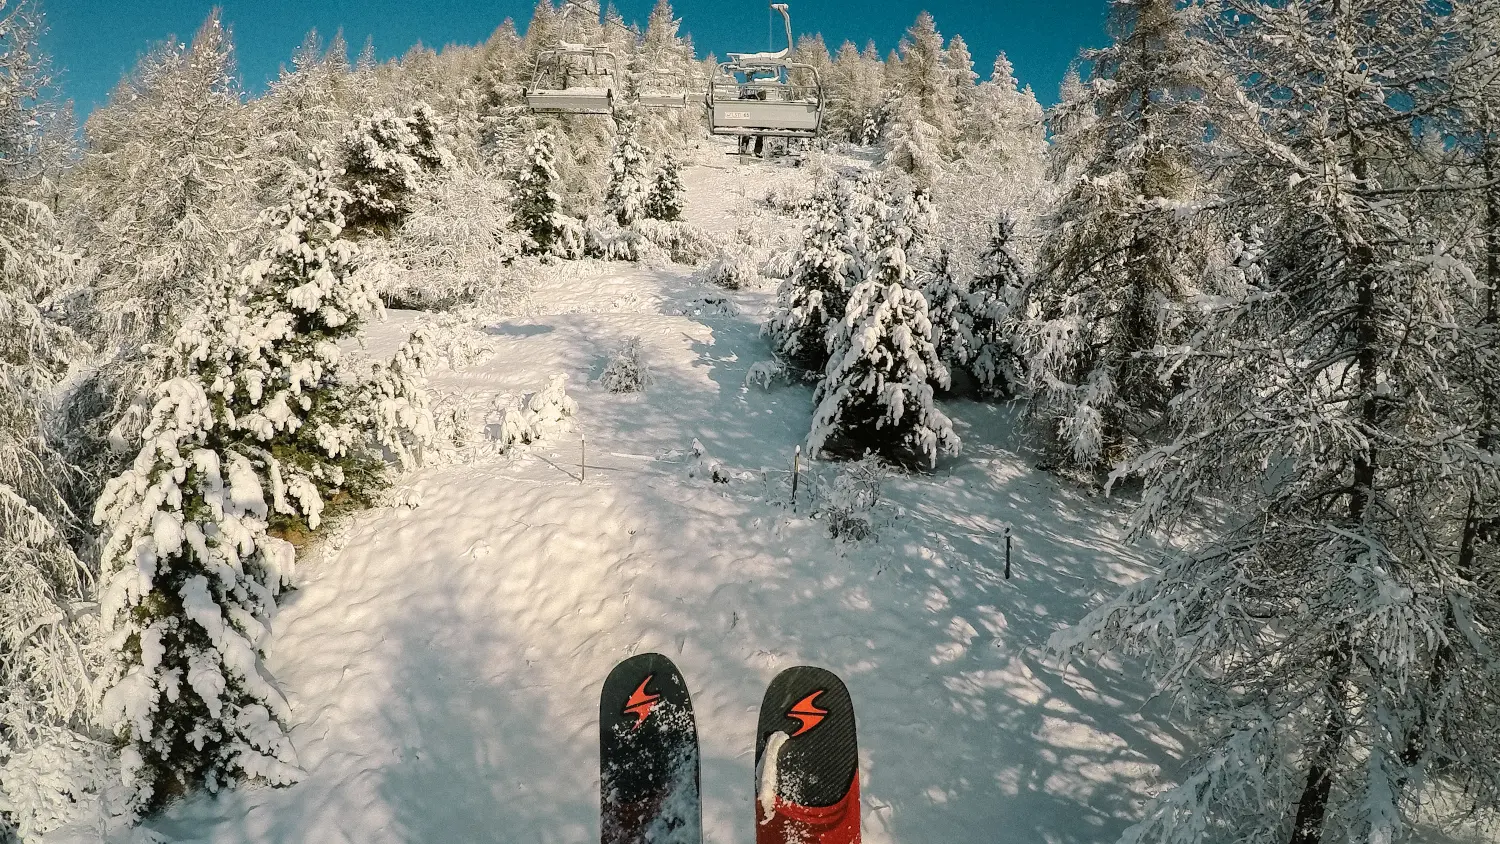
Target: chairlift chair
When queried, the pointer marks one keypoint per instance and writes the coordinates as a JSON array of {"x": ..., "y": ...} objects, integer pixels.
[
  {"x": 752, "y": 94},
  {"x": 560, "y": 80}
]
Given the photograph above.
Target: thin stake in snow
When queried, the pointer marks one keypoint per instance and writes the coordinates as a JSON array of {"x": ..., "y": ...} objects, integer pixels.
[
  {"x": 796, "y": 472},
  {"x": 583, "y": 453},
  {"x": 1007, "y": 552}
]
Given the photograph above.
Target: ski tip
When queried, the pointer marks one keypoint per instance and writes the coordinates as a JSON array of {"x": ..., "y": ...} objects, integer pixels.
[
  {"x": 812, "y": 708},
  {"x": 643, "y": 690}
]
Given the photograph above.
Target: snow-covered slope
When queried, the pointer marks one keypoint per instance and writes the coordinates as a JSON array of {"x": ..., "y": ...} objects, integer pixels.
[{"x": 444, "y": 654}]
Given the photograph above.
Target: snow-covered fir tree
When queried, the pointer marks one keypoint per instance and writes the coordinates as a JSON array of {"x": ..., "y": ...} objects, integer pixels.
[
  {"x": 625, "y": 199},
  {"x": 502, "y": 74},
  {"x": 307, "y": 105},
  {"x": 257, "y": 431},
  {"x": 189, "y": 584},
  {"x": 926, "y": 79},
  {"x": 1331, "y": 639},
  {"x": 1001, "y": 168},
  {"x": 947, "y": 304},
  {"x": 1124, "y": 252},
  {"x": 1004, "y": 121},
  {"x": 994, "y": 302},
  {"x": 383, "y": 160},
  {"x": 877, "y": 389},
  {"x": 664, "y": 202},
  {"x": 285, "y": 389},
  {"x": 814, "y": 297},
  {"x": 536, "y": 200},
  {"x": 958, "y": 63}
]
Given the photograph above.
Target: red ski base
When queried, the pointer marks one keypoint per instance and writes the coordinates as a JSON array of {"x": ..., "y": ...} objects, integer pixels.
[{"x": 794, "y": 824}]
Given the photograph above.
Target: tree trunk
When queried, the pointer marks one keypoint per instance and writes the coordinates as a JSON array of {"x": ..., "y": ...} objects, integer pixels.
[{"x": 1313, "y": 806}]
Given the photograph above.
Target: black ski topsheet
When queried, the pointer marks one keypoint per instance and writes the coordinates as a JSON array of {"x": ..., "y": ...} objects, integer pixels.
[
  {"x": 820, "y": 759},
  {"x": 648, "y": 756}
]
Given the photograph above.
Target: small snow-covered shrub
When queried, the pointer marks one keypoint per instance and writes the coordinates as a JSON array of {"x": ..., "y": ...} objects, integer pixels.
[
  {"x": 571, "y": 242},
  {"x": 607, "y": 241},
  {"x": 707, "y": 306},
  {"x": 706, "y": 467},
  {"x": 850, "y": 506},
  {"x": 399, "y": 414},
  {"x": 544, "y": 413},
  {"x": 733, "y": 269},
  {"x": 766, "y": 373},
  {"x": 780, "y": 263},
  {"x": 684, "y": 242},
  {"x": 627, "y": 370},
  {"x": 59, "y": 781},
  {"x": 787, "y": 198}
]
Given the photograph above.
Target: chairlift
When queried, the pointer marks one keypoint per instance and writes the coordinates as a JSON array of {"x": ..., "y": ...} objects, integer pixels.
[
  {"x": 669, "y": 97},
  {"x": 574, "y": 79},
  {"x": 753, "y": 95}
]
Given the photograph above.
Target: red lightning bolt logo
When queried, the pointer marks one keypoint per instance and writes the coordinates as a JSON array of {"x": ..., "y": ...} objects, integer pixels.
[
  {"x": 805, "y": 712},
  {"x": 640, "y": 703}
]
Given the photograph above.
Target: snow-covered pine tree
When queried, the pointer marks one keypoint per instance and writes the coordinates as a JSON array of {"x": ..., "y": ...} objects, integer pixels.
[
  {"x": 307, "y": 105},
  {"x": 663, "y": 45},
  {"x": 625, "y": 199},
  {"x": 947, "y": 306},
  {"x": 383, "y": 160},
  {"x": 1072, "y": 122},
  {"x": 665, "y": 199},
  {"x": 1124, "y": 254},
  {"x": 1331, "y": 640},
  {"x": 958, "y": 63},
  {"x": 912, "y": 144},
  {"x": 1001, "y": 168},
  {"x": 536, "y": 201},
  {"x": 877, "y": 389},
  {"x": 925, "y": 79},
  {"x": 284, "y": 389},
  {"x": 157, "y": 184},
  {"x": 501, "y": 73},
  {"x": 1004, "y": 122},
  {"x": 814, "y": 297},
  {"x": 189, "y": 584},
  {"x": 994, "y": 301},
  {"x": 853, "y": 85},
  {"x": 49, "y": 647},
  {"x": 812, "y": 51}
]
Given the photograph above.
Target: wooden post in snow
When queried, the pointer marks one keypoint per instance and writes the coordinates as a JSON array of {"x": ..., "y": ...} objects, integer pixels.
[
  {"x": 1007, "y": 552},
  {"x": 796, "y": 473}
]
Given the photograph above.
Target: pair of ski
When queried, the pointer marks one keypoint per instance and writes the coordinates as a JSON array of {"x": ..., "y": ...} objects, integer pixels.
[{"x": 806, "y": 758}]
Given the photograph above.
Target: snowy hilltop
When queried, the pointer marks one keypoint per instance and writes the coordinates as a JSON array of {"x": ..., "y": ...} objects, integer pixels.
[{"x": 1135, "y": 463}]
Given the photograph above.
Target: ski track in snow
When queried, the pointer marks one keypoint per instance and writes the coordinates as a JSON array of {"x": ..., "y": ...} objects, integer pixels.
[{"x": 444, "y": 661}]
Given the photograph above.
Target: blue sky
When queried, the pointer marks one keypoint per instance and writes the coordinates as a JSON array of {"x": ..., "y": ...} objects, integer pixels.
[{"x": 94, "y": 42}]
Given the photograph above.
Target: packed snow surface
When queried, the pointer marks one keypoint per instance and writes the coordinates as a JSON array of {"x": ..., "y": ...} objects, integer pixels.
[{"x": 443, "y": 655}]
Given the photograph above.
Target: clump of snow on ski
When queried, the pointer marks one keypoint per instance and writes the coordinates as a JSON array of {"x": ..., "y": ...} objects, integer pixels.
[{"x": 766, "y": 775}]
